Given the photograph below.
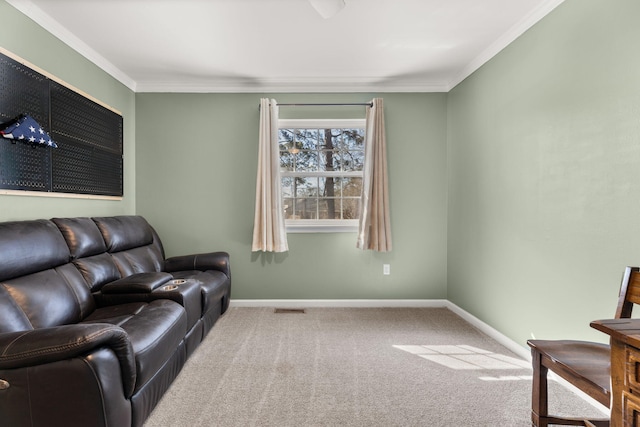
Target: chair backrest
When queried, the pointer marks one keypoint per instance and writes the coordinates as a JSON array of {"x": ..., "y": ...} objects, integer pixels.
[{"x": 629, "y": 292}]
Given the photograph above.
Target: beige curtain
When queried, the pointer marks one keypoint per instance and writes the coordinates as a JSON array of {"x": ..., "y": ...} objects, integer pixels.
[
  {"x": 269, "y": 234},
  {"x": 374, "y": 231}
]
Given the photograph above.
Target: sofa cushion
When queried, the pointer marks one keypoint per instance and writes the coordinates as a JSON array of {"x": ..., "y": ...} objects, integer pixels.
[
  {"x": 12, "y": 318},
  {"x": 155, "y": 329},
  {"x": 30, "y": 246},
  {"x": 133, "y": 244},
  {"x": 97, "y": 270},
  {"x": 124, "y": 232},
  {"x": 82, "y": 236},
  {"x": 45, "y": 299},
  {"x": 145, "y": 259},
  {"x": 116, "y": 314},
  {"x": 81, "y": 291}
]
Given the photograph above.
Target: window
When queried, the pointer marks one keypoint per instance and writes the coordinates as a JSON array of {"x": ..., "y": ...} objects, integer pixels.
[{"x": 321, "y": 167}]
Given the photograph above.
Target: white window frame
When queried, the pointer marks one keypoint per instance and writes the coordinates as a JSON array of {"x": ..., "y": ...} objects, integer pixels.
[{"x": 321, "y": 225}]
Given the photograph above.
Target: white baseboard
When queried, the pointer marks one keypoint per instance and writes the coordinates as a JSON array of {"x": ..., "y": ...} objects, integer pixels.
[
  {"x": 516, "y": 348},
  {"x": 374, "y": 303},
  {"x": 491, "y": 332}
]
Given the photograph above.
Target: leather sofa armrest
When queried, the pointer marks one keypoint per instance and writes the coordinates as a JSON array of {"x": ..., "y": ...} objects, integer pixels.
[
  {"x": 140, "y": 283},
  {"x": 202, "y": 262},
  {"x": 39, "y": 346}
]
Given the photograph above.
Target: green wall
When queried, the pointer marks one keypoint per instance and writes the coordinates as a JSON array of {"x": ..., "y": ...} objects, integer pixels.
[
  {"x": 196, "y": 173},
  {"x": 544, "y": 174},
  {"x": 21, "y": 36}
]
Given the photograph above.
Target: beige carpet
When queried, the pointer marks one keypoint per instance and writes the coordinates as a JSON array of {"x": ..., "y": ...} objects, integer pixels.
[{"x": 352, "y": 367}]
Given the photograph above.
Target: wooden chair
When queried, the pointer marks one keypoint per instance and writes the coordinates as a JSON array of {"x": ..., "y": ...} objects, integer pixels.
[{"x": 586, "y": 365}]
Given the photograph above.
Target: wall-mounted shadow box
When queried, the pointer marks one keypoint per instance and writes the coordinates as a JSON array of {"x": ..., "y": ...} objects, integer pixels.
[{"x": 89, "y": 135}]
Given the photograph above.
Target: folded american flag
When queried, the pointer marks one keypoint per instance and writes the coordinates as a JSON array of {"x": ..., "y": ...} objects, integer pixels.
[{"x": 25, "y": 128}]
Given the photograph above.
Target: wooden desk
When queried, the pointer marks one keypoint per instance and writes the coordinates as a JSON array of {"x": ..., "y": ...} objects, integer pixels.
[{"x": 625, "y": 369}]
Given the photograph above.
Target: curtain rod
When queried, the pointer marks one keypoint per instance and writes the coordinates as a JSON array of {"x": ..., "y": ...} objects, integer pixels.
[{"x": 370, "y": 104}]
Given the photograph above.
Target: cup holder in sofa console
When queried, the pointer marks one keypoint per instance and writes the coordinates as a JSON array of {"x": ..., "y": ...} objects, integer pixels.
[{"x": 173, "y": 284}]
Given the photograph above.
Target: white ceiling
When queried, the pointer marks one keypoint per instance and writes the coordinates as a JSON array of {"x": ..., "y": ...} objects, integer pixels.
[{"x": 285, "y": 45}]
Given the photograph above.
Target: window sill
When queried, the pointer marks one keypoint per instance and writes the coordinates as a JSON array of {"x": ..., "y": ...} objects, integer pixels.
[{"x": 329, "y": 226}]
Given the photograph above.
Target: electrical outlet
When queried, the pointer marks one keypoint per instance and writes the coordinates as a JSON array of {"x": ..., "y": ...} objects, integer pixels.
[{"x": 386, "y": 269}]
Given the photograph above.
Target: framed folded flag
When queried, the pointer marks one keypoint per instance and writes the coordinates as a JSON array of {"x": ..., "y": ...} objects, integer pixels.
[
  {"x": 58, "y": 139},
  {"x": 25, "y": 128}
]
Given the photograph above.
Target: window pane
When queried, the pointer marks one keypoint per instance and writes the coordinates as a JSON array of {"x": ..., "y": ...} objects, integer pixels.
[
  {"x": 352, "y": 160},
  {"x": 329, "y": 208},
  {"x": 287, "y": 143},
  {"x": 329, "y": 160},
  {"x": 287, "y": 205},
  {"x": 352, "y": 139},
  {"x": 305, "y": 187},
  {"x": 285, "y": 136},
  {"x": 308, "y": 138},
  {"x": 325, "y": 138},
  {"x": 287, "y": 161},
  {"x": 306, "y": 209},
  {"x": 351, "y": 187},
  {"x": 329, "y": 187},
  {"x": 351, "y": 208},
  {"x": 287, "y": 186},
  {"x": 306, "y": 161}
]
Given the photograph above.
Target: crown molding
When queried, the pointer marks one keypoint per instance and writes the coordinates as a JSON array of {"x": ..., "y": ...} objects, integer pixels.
[
  {"x": 505, "y": 40},
  {"x": 54, "y": 27},
  {"x": 293, "y": 85}
]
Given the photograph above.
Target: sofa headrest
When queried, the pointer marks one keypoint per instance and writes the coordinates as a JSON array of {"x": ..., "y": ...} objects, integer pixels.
[
  {"x": 124, "y": 232},
  {"x": 82, "y": 235},
  {"x": 30, "y": 246}
]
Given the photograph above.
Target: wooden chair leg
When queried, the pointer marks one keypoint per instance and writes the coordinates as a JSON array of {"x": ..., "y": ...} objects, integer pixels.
[{"x": 539, "y": 402}]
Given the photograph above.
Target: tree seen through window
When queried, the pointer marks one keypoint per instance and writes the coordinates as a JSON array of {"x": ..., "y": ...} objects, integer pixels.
[{"x": 321, "y": 171}]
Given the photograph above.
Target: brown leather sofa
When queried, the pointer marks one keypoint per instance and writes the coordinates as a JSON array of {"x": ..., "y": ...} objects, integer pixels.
[{"x": 95, "y": 323}]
